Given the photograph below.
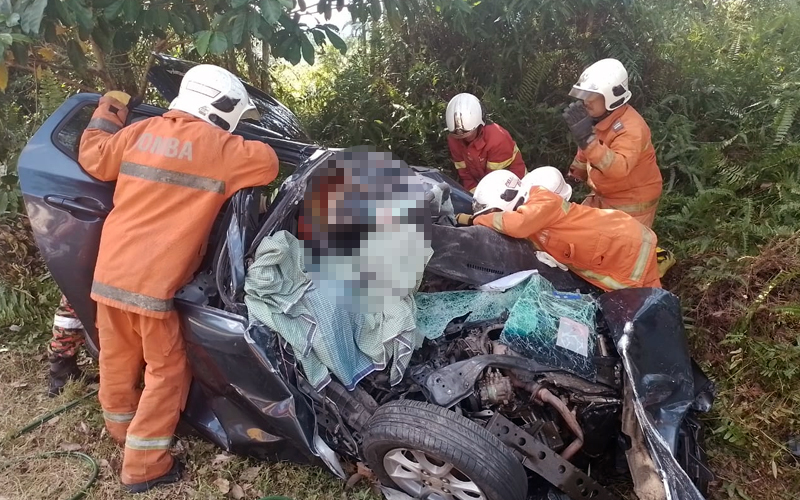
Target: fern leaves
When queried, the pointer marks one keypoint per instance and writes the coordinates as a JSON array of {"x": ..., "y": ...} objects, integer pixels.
[
  {"x": 535, "y": 75},
  {"x": 785, "y": 119}
]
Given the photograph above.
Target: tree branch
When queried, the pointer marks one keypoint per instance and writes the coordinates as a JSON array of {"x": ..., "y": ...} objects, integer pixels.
[
  {"x": 57, "y": 67},
  {"x": 101, "y": 65},
  {"x": 160, "y": 45},
  {"x": 61, "y": 78}
]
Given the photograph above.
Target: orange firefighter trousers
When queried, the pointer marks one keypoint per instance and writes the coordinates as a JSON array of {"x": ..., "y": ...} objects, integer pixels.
[
  {"x": 144, "y": 420},
  {"x": 646, "y": 217}
]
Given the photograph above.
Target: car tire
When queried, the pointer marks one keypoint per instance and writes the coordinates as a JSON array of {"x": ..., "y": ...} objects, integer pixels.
[{"x": 408, "y": 439}]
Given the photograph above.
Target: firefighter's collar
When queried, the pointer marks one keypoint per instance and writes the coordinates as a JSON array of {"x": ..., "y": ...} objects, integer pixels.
[{"x": 611, "y": 118}]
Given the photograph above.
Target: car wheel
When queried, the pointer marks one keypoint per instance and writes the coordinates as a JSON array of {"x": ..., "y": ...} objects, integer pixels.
[{"x": 430, "y": 452}]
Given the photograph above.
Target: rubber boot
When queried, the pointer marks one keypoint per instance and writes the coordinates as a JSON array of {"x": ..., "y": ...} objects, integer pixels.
[
  {"x": 172, "y": 476},
  {"x": 62, "y": 370}
]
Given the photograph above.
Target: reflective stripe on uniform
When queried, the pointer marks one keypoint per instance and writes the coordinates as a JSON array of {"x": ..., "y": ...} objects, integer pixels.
[
  {"x": 460, "y": 165},
  {"x": 491, "y": 165},
  {"x": 608, "y": 281},
  {"x": 140, "y": 443},
  {"x": 67, "y": 323},
  {"x": 131, "y": 298},
  {"x": 636, "y": 208},
  {"x": 497, "y": 221},
  {"x": 104, "y": 124},
  {"x": 120, "y": 418},
  {"x": 648, "y": 242},
  {"x": 607, "y": 160},
  {"x": 169, "y": 177},
  {"x": 579, "y": 164},
  {"x": 565, "y": 206}
]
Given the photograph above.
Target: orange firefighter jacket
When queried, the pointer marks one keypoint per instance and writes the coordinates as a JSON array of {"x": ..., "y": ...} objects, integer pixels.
[
  {"x": 608, "y": 248},
  {"x": 492, "y": 149},
  {"x": 620, "y": 166},
  {"x": 173, "y": 174}
]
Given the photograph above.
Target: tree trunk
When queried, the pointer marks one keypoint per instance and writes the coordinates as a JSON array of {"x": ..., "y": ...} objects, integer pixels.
[
  {"x": 230, "y": 61},
  {"x": 102, "y": 68},
  {"x": 129, "y": 82},
  {"x": 252, "y": 71},
  {"x": 265, "y": 84}
]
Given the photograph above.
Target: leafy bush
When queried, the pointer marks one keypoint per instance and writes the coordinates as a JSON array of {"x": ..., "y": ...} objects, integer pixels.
[{"x": 718, "y": 84}]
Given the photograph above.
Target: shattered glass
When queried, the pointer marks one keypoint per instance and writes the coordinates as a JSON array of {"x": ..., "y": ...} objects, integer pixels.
[
  {"x": 552, "y": 327},
  {"x": 436, "y": 310}
]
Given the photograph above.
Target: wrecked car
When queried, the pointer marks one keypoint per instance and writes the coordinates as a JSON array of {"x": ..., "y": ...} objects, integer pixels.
[{"x": 471, "y": 419}]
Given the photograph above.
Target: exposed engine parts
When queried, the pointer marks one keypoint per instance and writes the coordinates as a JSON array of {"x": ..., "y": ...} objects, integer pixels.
[
  {"x": 505, "y": 381},
  {"x": 495, "y": 389}
]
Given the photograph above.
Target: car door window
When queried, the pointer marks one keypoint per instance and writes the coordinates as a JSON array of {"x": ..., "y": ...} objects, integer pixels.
[{"x": 68, "y": 135}]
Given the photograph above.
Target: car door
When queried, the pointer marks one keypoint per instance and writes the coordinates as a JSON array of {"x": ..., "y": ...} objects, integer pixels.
[{"x": 67, "y": 206}]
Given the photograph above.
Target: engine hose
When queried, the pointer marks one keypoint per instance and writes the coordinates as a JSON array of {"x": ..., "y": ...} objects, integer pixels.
[
  {"x": 544, "y": 395},
  {"x": 38, "y": 422},
  {"x": 575, "y": 446}
]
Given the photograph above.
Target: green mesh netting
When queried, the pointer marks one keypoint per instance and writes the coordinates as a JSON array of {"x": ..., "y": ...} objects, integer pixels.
[{"x": 555, "y": 328}]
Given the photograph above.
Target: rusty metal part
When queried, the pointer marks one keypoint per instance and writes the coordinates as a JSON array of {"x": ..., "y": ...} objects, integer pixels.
[
  {"x": 495, "y": 389},
  {"x": 546, "y": 463},
  {"x": 551, "y": 399},
  {"x": 544, "y": 395},
  {"x": 573, "y": 384}
]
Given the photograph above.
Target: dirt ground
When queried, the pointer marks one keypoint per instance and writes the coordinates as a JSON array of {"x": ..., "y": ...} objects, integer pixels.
[{"x": 210, "y": 473}]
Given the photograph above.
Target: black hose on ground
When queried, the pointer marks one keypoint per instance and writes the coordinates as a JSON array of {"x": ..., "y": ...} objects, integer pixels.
[
  {"x": 38, "y": 422},
  {"x": 95, "y": 468}
]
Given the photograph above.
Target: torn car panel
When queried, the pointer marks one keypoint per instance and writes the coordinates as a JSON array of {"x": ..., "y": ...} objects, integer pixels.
[{"x": 647, "y": 327}]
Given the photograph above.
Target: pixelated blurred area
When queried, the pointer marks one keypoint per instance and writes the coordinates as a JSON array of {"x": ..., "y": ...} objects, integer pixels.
[{"x": 365, "y": 227}]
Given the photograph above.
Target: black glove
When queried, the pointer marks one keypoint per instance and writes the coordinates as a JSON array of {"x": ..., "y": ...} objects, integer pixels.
[{"x": 580, "y": 124}]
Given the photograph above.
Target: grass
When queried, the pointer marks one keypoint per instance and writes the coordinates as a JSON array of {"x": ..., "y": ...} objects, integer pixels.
[
  {"x": 210, "y": 471},
  {"x": 743, "y": 321}
]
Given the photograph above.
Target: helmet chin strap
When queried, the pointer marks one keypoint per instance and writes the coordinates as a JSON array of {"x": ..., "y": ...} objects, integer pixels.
[{"x": 601, "y": 117}]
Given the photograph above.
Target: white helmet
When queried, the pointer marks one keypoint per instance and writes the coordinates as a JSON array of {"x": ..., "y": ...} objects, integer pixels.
[
  {"x": 500, "y": 189},
  {"x": 463, "y": 114},
  {"x": 215, "y": 95},
  {"x": 607, "y": 77},
  {"x": 549, "y": 178}
]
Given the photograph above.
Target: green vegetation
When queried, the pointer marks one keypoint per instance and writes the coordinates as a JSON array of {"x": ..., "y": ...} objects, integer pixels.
[{"x": 718, "y": 82}]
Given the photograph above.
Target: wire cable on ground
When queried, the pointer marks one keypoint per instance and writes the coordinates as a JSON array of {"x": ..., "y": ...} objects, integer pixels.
[
  {"x": 95, "y": 468},
  {"x": 47, "y": 416},
  {"x": 38, "y": 422}
]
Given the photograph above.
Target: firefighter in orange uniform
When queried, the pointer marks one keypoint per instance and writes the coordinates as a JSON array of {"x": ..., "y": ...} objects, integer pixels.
[
  {"x": 616, "y": 155},
  {"x": 173, "y": 174},
  {"x": 607, "y": 248},
  {"x": 476, "y": 148}
]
